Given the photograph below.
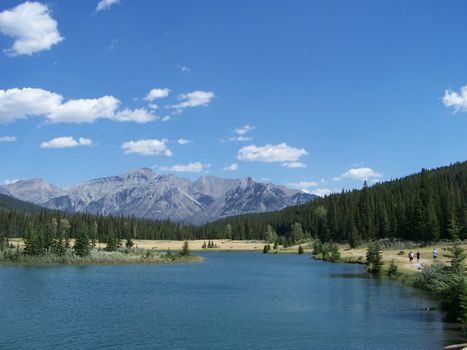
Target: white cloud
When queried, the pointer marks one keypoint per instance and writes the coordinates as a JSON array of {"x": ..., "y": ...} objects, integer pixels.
[
  {"x": 22, "y": 103},
  {"x": 194, "y": 99},
  {"x": 231, "y": 167},
  {"x": 303, "y": 185},
  {"x": 241, "y": 133},
  {"x": 184, "y": 69},
  {"x": 147, "y": 147},
  {"x": 84, "y": 110},
  {"x": 140, "y": 115},
  {"x": 66, "y": 142},
  {"x": 153, "y": 106},
  {"x": 322, "y": 192},
  {"x": 195, "y": 167},
  {"x": 456, "y": 100},
  {"x": 361, "y": 174},
  {"x": 166, "y": 118},
  {"x": 28, "y": 102},
  {"x": 32, "y": 28},
  {"x": 294, "y": 165},
  {"x": 155, "y": 94},
  {"x": 106, "y": 4},
  {"x": 244, "y": 129},
  {"x": 7, "y": 138},
  {"x": 183, "y": 141},
  {"x": 9, "y": 182},
  {"x": 241, "y": 138},
  {"x": 271, "y": 153}
]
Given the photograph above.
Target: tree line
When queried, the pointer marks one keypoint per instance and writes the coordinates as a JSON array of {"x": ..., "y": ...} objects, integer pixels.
[{"x": 418, "y": 207}]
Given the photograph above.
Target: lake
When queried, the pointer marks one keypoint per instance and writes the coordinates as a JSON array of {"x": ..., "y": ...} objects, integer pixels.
[{"x": 230, "y": 301}]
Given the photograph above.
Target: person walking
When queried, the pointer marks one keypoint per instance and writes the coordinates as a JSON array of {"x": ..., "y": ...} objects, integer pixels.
[
  {"x": 418, "y": 256},
  {"x": 410, "y": 257},
  {"x": 435, "y": 254}
]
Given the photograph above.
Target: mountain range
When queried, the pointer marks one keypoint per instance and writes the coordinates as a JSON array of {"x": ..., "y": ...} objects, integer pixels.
[{"x": 145, "y": 194}]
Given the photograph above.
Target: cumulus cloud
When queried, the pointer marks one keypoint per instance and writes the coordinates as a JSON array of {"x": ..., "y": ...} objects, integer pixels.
[
  {"x": 184, "y": 69},
  {"x": 157, "y": 93},
  {"x": 195, "y": 167},
  {"x": 84, "y": 110},
  {"x": 231, "y": 167},
  {"x": 271, "y": 153},
  {"x": 31, "y": 26},
  {"x": 66, "y": 142},
  {"x": 294, "y": 165},
  {"x": 194, "y": 99},
  {"x": 140, "y": 115},
  {"x": 303, "y": 185},
  {"x": 456, "y": 100},
  {"x": 7, "y": 138},
  {"x": 147, "y": 147},
  {"x": 184, "y": 141},
  {"x": 106, "y": 4},
  {"x": 29, "y": 102},
  {"x": 22, "y": 103},
  {"x": 360, "y": 174}
]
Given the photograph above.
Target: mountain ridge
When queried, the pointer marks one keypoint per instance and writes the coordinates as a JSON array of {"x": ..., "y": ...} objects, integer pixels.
[{"x": 145, "y": 194}]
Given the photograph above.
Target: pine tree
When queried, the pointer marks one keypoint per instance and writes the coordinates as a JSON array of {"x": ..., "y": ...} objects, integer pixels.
[
  {"x": 185, "y": 249},
  {"x": 82, "y": 246},
  {"x": 374, "y": 258},
  {"x": 453, "y": 229},
  {"x": 32, "y": 242},
  {"x": 111, "y": 242}
]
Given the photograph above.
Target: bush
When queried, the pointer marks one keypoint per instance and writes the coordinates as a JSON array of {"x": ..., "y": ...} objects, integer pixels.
[{"x": 393, "y": 269}]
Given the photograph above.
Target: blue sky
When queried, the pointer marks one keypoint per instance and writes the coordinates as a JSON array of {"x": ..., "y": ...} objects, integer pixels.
[{"x": 319, "y": 94}]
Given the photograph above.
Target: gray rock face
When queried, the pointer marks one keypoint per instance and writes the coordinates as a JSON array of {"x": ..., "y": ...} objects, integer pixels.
[
  {"x": 34, "y": 190},
  {"x": 145, "y": 194},
  {"x": 4, "y": 191}
]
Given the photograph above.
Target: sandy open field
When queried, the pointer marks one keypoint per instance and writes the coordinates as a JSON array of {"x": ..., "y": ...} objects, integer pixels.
[
  {"x": 221, "y": 244},
  {"x": 402, "y": 260}
]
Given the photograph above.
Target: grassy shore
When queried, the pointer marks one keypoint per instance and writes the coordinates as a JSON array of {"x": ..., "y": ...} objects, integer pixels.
[{"x": 96, "y": 257}]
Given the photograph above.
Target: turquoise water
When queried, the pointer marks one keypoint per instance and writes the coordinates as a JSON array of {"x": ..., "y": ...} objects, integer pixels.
[{"x": 230, "y": 301}]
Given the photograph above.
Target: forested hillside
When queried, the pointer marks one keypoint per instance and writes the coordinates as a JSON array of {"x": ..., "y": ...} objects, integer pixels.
[
  {"x": 417, "y": 207},
  {"x": 7, "y": 202}
]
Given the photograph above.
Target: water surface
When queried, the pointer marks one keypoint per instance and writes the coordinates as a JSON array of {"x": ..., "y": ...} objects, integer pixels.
[{"x": 230, "y": 301}]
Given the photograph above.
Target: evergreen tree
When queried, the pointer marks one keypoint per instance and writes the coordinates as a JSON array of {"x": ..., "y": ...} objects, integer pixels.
[
  {"x": 374, "y": 258},
  {"x": 453, "y": 229},
  {"x": 32, "y": 242},
  {"x": 82, "y": 246},
  {"x": 111, "y": 242},
  {"x": 185, "y": 249},
  {"x": 300, "y": 249}
]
